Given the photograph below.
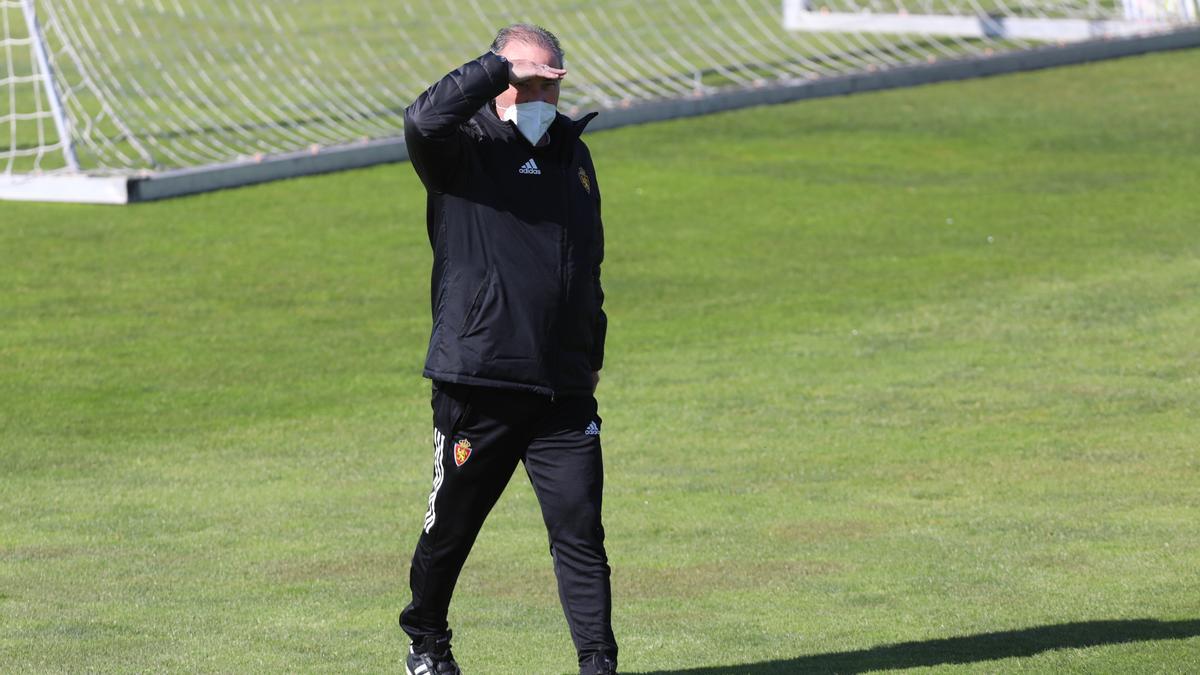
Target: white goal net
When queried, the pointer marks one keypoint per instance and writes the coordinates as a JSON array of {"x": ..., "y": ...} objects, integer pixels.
[{"x": 120, "y": 89}]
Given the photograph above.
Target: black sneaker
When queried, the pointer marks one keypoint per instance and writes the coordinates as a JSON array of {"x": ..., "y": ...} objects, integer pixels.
[
  {"x": 431, "y": 656},
  {"x": 598, "y": 664}
]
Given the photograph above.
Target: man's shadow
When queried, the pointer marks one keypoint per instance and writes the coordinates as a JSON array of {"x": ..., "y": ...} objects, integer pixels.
[{"x": 966, "y": 649}]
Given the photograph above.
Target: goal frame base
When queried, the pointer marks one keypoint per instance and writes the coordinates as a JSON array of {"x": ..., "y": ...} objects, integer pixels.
[{"x": 146, "y": 186}]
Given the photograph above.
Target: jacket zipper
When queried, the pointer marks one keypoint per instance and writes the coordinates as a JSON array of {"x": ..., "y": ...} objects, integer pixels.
[{"x": 564, "y": 172}]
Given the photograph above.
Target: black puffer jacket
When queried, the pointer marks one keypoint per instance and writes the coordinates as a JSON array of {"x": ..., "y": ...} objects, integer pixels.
[{"x": 517, "y": 241}]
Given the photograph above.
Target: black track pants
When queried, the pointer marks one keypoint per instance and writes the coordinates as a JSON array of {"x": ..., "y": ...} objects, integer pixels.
[{"x": 479, "y": 436}]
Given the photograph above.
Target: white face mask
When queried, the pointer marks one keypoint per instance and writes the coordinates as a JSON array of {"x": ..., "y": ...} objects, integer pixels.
[{"x": 532, "y": 118}]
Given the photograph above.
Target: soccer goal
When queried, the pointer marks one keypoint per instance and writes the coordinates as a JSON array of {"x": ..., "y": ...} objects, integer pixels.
[
  {"x": 115, "y": 101},
  {"x": 1022, "y": 20}
]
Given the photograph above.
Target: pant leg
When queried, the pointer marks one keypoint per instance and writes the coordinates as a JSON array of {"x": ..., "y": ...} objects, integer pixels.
[
  {"x": 478, "y": 438},
  {"x": 564, "y": 464}
]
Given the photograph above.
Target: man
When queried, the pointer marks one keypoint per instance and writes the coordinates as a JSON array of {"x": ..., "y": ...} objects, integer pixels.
[{"x": 513, "y": 214}]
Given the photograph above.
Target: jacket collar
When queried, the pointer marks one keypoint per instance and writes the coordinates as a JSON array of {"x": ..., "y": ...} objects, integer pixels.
[
  {"x": 563, "y": 128},
  {"x": 577, "y": 126}
]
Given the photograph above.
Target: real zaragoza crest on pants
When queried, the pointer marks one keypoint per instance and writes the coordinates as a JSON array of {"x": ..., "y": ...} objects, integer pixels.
[{"x": 462, "y": 452}]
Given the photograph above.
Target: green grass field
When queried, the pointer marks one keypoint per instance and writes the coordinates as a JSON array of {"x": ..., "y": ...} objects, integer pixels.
[{"x": 900, "y": 380}]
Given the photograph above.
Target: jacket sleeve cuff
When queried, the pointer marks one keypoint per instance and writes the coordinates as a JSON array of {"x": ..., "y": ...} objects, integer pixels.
[{"x": 596, "y": 358}]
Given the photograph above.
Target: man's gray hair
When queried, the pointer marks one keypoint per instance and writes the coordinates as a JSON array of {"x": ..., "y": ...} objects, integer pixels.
[{"x": 531, "y": 35}]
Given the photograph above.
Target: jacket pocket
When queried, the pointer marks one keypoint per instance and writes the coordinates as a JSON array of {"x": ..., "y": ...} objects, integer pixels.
[
  {"x": 471, "y": 318},
  {"x": 504, "y": 326}
]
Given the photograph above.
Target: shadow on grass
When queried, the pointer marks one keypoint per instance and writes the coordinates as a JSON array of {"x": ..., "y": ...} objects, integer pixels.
[{"x": 967, "y": 649}]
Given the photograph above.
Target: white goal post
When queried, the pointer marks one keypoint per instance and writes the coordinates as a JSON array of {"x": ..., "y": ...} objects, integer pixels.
[{"x": 114, "y": 101}]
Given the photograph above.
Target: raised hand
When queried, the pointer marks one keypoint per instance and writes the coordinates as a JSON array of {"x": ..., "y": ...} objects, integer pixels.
[{"x": 523, "y": 70}]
